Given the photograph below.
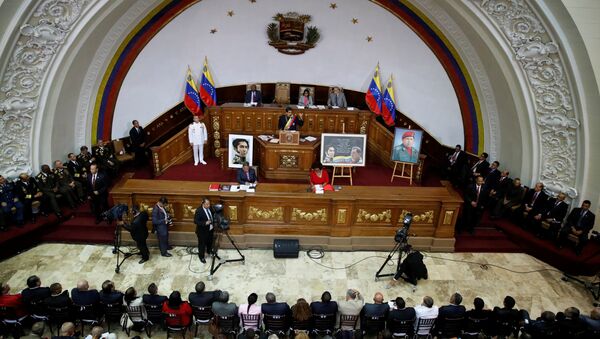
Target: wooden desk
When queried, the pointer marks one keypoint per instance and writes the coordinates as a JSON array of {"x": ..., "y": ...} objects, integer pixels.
[
  {"x": 358, "y": 217},
  {"x": 286, "y": 161}
]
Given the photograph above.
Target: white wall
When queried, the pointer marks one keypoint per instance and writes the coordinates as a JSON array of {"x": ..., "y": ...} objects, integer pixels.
[{"x": 238, "y": 53}]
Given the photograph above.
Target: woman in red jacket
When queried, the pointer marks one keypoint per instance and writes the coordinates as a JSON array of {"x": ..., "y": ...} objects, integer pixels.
[
  {"x": 179, "y": 312},
  {"x": 318, "y": 176}
]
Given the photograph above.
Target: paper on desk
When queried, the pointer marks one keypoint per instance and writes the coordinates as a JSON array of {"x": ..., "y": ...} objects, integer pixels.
[
  {"x": 351, "y": 108},
  {"x": 309, "y": 138},
  {"x": 312, "y": 106},
  {"x": 300, "y": 107},
  {"x": 321, "y": 106},
  {"x": 335, "y": 106},
  {"x": 234, "y": 188},
  {"x": 244, "y": 187},
  {"x": 264, "y": 137}
]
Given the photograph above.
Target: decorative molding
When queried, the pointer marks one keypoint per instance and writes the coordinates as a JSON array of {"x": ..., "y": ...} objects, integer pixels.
[
  {"x": 318, "y": 215},
  {"x": 288, "y": 161},
  {"x": 259, "y": 214},
  {"x": 364, "y": 216},
  {"x": 189, "y": 211},
  {"x": 448, "y": 215},
  {"x": 216, "y": 135},
  {"x": 423, "y": 218},
  {"x": 41, "y": 37},
  {"x": 233, "y": 213},
  {"x": 341, "y": 216},
  {"x": 538, "y": 55}
]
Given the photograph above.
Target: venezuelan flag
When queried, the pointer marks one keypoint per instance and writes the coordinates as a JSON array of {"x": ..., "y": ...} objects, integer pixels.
[
  {"x": 191, "y": 98},
  {"x": 208, "y": 93},
  {"x": 388, "y": 109},
  {"x": 373, "y": 96}
]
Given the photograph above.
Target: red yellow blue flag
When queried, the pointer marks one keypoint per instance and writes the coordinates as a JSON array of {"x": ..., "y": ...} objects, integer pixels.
[
  {"x": 388, "y": 109},
  {"x": 373, "y": 96},
  {"x": 191, "y": 99},
  {"x": 208, "y": 92}
]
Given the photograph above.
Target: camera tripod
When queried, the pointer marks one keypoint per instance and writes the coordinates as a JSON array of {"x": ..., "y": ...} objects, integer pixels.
[
  {"x": 215, "y": 254},
  {"x": 593, "y": 287},
  {"x": 118, "y": 251},
  {"x": 400, "y": 248}
]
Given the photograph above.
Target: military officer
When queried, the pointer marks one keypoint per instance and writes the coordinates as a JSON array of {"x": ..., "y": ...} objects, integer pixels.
[
  {"x": 30, "y": 195},
  {"x": 106, "y": 159},
  {"x": 85, "y": 158},
  {"x": 10, "y": 204},
  {"x": 48, "y": 184}
]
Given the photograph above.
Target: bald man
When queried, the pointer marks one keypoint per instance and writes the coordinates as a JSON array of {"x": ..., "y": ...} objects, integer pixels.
[
  {"x": 82, "y": 295},
  {"x": 67, "y": 330},
  {"x": 377, "y": 309}
]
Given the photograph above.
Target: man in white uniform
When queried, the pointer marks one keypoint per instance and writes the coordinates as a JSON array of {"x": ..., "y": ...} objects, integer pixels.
[{"x": 197, "y": 137}]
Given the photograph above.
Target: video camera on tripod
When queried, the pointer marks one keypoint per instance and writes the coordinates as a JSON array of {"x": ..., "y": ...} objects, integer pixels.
[
  {"x": 219, "y": 219},
  {"x": 401, "y": 236}
]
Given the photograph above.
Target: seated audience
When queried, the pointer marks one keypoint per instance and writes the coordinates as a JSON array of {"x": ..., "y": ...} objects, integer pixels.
[
  {"x": 58, "y": 298},
  {"x": 253, "y": 96},
  {"x": 250, "y": 308},
  {"x": 492, "y": 178},
  {"x": 425, "y": 311},
  {"x": 82, "y": 295},
  {"x": 153, "y": 298},
  {"x": 572, "y": 326},
  {"x": 37, "y": 331},
  {"x": 325, "y": 306},
  {"x": 337, "y": 98},
  {"x": 85, "y": 158},
  {"x": 553, "y": 212},
  {"x": 505, "y": 315},
  {"x": 13, "y": 301},
  {"x": 305, "y": 99},
  {"x": 498, "y": 192},
  {"x": 480, "y": 168},
  {"x": 351, "y": 306},
  {"x": 318, "y": 176},
  {"x": 534, "y": 200},
  {"x": 48, "y": 184},
  {"x": 34, "y": 293},
  {"x": 202, "y": 298},
  {"x": 97, "y": 333},
  {"x": 67, "y": 184},
  {"x": 378, "y": 308},
  {"x": 593, "y": 321},
  {"x": 11, "y": 206},
  {"x": 67, "y": 331},
  {"x": 542, "y": 327},
  {"x": 179, "y": 312},
  {"x": 478, "y": 311},
  {"x": 301, "y": 311},
  {"x": 108, "y": 294},
  {"x": 399, "y": 312},
  {"x": 247, "y": 175},
  {"x": 272, "y": 307},
  {"x": 452, "y": 311},
  {"x": 33, "y": 199},
  {"x": 222, "y": 307},
  {"x": 579, "y": 223},
  {"x": 130, "y": 298},
  {"x": 512, "y": 197}
]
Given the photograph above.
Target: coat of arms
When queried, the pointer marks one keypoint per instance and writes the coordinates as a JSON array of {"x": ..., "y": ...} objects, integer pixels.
[{"x": 290, "y": 35}]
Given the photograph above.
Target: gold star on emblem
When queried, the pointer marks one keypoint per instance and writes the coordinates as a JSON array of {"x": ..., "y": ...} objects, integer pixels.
[
  {"x": 369, "y": 38},
  {"x": 230, "y": 13},
  {"x": 333, "y": 5},
  {"x": 354, "y": 21},
  {"x": 213, "y": 31}
]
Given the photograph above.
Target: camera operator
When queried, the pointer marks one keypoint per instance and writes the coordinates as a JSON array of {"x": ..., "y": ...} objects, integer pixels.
[
  {"x": 139, "y": 232},
  {"x": 204, "y": 220}
]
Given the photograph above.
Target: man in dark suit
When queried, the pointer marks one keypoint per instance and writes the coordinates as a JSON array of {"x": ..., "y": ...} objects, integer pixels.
[
  {"x": 137, "y": 138},
  {"x": 579, "y": 222},
  {"x": 58, "y": 297},
  {"x": 452, "y": 311},
  {"x": 553, "y": 212},
  {"x": 85, "y": 158},
  {"x": 82, "y": 295},
  {"x": 203, "y": 218},
  {"x": 246, "y": 175},
  {"x": 290, "y": 121},
  {"x": 325, "y": 306},
  {"x": 377, "y": 309},
  {"x": 490, "y": 181},
  {"x": 30, "y": 195},
  {"x": 98, "y": 190},
  {"x": 67, "y": 186},
  {"x": 534, "y": 201},
  {"x": 480, "y": 168},
  {"x": 475, "y": 199},
  {"x": 507, "y": 314},
  {"x": 272, "y": 307},
  {"x": 512, "y": 197},
  {"x": 108, "y": 294},
  {"x": 139, "y": 232},
  {"x": 160, "y": 223},
  {"x": 253, "y": 96},
  {"x": 202, "y": 298},
  {"x": 153, "y": 298},
  {"x": 34, "y": 294},
  {"x": 78, "y": 171},
  {"x": 456, "y": 166},
  {"x": 105, "y": 158},
  {"x": 499, "y": 190}
]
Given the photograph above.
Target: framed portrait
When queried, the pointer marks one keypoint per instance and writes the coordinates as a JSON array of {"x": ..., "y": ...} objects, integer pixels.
[
  {"x": 343, "y": 149},
  {"x": 407, "y": 145},
  {"x": 240, "y": 149}
]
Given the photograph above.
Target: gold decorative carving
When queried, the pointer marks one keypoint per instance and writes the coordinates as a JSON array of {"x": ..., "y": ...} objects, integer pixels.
[
  {"x": 288, "y": 161},
  {"x": 423, "y": 218},
  {"x": 273, "y": 214},
  {"x": 146, "y": 207},
  {"x": 341, "y": 216},
  {"x": 363, "y": 127},
  {"x": 217, "y": 143},
  {"x": 215, "y": 122},
  {"x": 233, "y": 213},
  {"x": 217, "y": 135},
  {"x": 189, "y": 211},
  {"x": 318, "y": 215},
  {"x": 448, "y": 217},
  {"x": 365, "y": 216}
]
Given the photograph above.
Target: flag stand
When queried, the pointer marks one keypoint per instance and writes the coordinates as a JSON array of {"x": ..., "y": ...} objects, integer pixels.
[
  {"x": 405, "y": 173},
  {"x": 338, "y": 172}
]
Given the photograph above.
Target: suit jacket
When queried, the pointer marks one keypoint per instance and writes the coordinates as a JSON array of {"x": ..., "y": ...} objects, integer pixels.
[
  {"x": 461, "y": 160},
  {"x": 224, "y": 309},
  {"x": 200, "y": 219},
  {"x": 481, "y": 168},
  {"x": 90, "y": 297},
  {"x": 60, "y": 300},
  {"x": 407, "y": 313},
  {"x": 149, "y": 299},
  {"x": 101, "y": 184},
  {"x": 319, "y": 307},
  {"x": 138, "y": 228},
  {"x": 375, "y": 310},
  {"x": 301, "y": 100},
  {"x": 471, "y": 195},
  {"x": 502, "y": 186},
  {"x": 206, "y": 298},
  {"x": 539, "y": 203},
  {"x": 276, "y": 309},
  {"x": 514, "y": 195},
  {"x": 23, "y": 190},
  {"x": 451, "y": 311},
  {"x": 257, "y": 97},
  {"x": 337, "y": 100},
  {"x": 283, "y": 120},
  {"x": 77, "y": 170},
  {"x": 158, "y": 216},
  {"x": 491, "y": 179},
  {"x": 241, "y": 176},
  {"x": 111, "y": 298},
  {"x": 553, "y": 211},
  {"x": 137, "y": 138},
  {"x": 29, "y": 295},
  {"x": 587, "y": 222}
]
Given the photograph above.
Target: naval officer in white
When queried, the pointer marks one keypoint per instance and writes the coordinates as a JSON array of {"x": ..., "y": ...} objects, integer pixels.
[{"x": 198, "y": 137}]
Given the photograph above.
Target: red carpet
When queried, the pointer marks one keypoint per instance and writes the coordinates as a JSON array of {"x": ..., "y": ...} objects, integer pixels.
[{"x": 81, "y": 229}]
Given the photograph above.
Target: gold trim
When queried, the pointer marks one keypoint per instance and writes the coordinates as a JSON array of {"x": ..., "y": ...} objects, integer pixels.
[
  {"x": 423, "y": 218},
  {"x": 341, "y": 216},
  {"x": 318, "y": 215},
  {"x": 448, "y": 217},
  {"x": 233, "y": 213},
  {"x": 189, "y": 211},
  {"x": 372, "y": 217},
  {"x": 258, "y": 214}
]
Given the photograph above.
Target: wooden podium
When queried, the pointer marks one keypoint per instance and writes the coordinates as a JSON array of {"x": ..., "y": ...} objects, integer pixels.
[{"x": 281, "y": 161}]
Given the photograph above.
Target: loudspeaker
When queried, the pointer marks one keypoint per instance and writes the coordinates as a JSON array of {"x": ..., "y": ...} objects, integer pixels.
[{"x": 286, "y": 248}]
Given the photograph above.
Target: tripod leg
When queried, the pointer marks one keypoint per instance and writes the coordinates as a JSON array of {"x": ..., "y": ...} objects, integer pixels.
[{"x": 389, "y": 257}]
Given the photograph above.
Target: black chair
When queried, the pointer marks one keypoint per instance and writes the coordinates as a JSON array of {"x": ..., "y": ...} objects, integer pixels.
[
  {"x": 202, "y": 316},
  {"x": 175, "y": 325},
  {"x": 276, "y": 324},
  {"x": 450, "y": 327},
  {"x": 348, "y": 321},
  {"x": 227, "y": 325},
  {"x": 58, "y": 316},
  {"x": 373, "y": 325},
  {"x": 10, "y": 322},
  {"x": 324, "y": 324},
  {"x": 302, "y": 326},
  {"x": 87, "y": 315},
  {"x": 504, "y": 329},
  {"x": 474, "y": 327},
  {"x": 112, "y": 312},
  {"x": 155, "y": 317},
  {"x": 137, "y": 315},
  {"x": 424, "y": 327},
  {"x": 37, "y": 310},
  {"x": 401, "y": 328}
]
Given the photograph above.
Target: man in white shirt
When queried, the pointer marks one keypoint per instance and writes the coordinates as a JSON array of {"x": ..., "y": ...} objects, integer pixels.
[
  {"x": 425, "y": 311},
  {"x": 198, "y": 137}
]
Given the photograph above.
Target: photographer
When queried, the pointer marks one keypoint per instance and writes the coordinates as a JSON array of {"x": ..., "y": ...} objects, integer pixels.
[
  {"x": 204, "y": 220},
  {"x": 139, "y": 232}
]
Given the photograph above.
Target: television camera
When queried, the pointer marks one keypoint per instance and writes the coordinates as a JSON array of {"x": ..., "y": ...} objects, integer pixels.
[
  {"x": 119, "y": 212},
  {"x": 221, "y": 223},
  {"x": 402, "y": 246}
]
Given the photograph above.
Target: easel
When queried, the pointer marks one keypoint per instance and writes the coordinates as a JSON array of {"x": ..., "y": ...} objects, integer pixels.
[
  {"x": 403, "y": 174},
  {"x": 338, "y": 172}
]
